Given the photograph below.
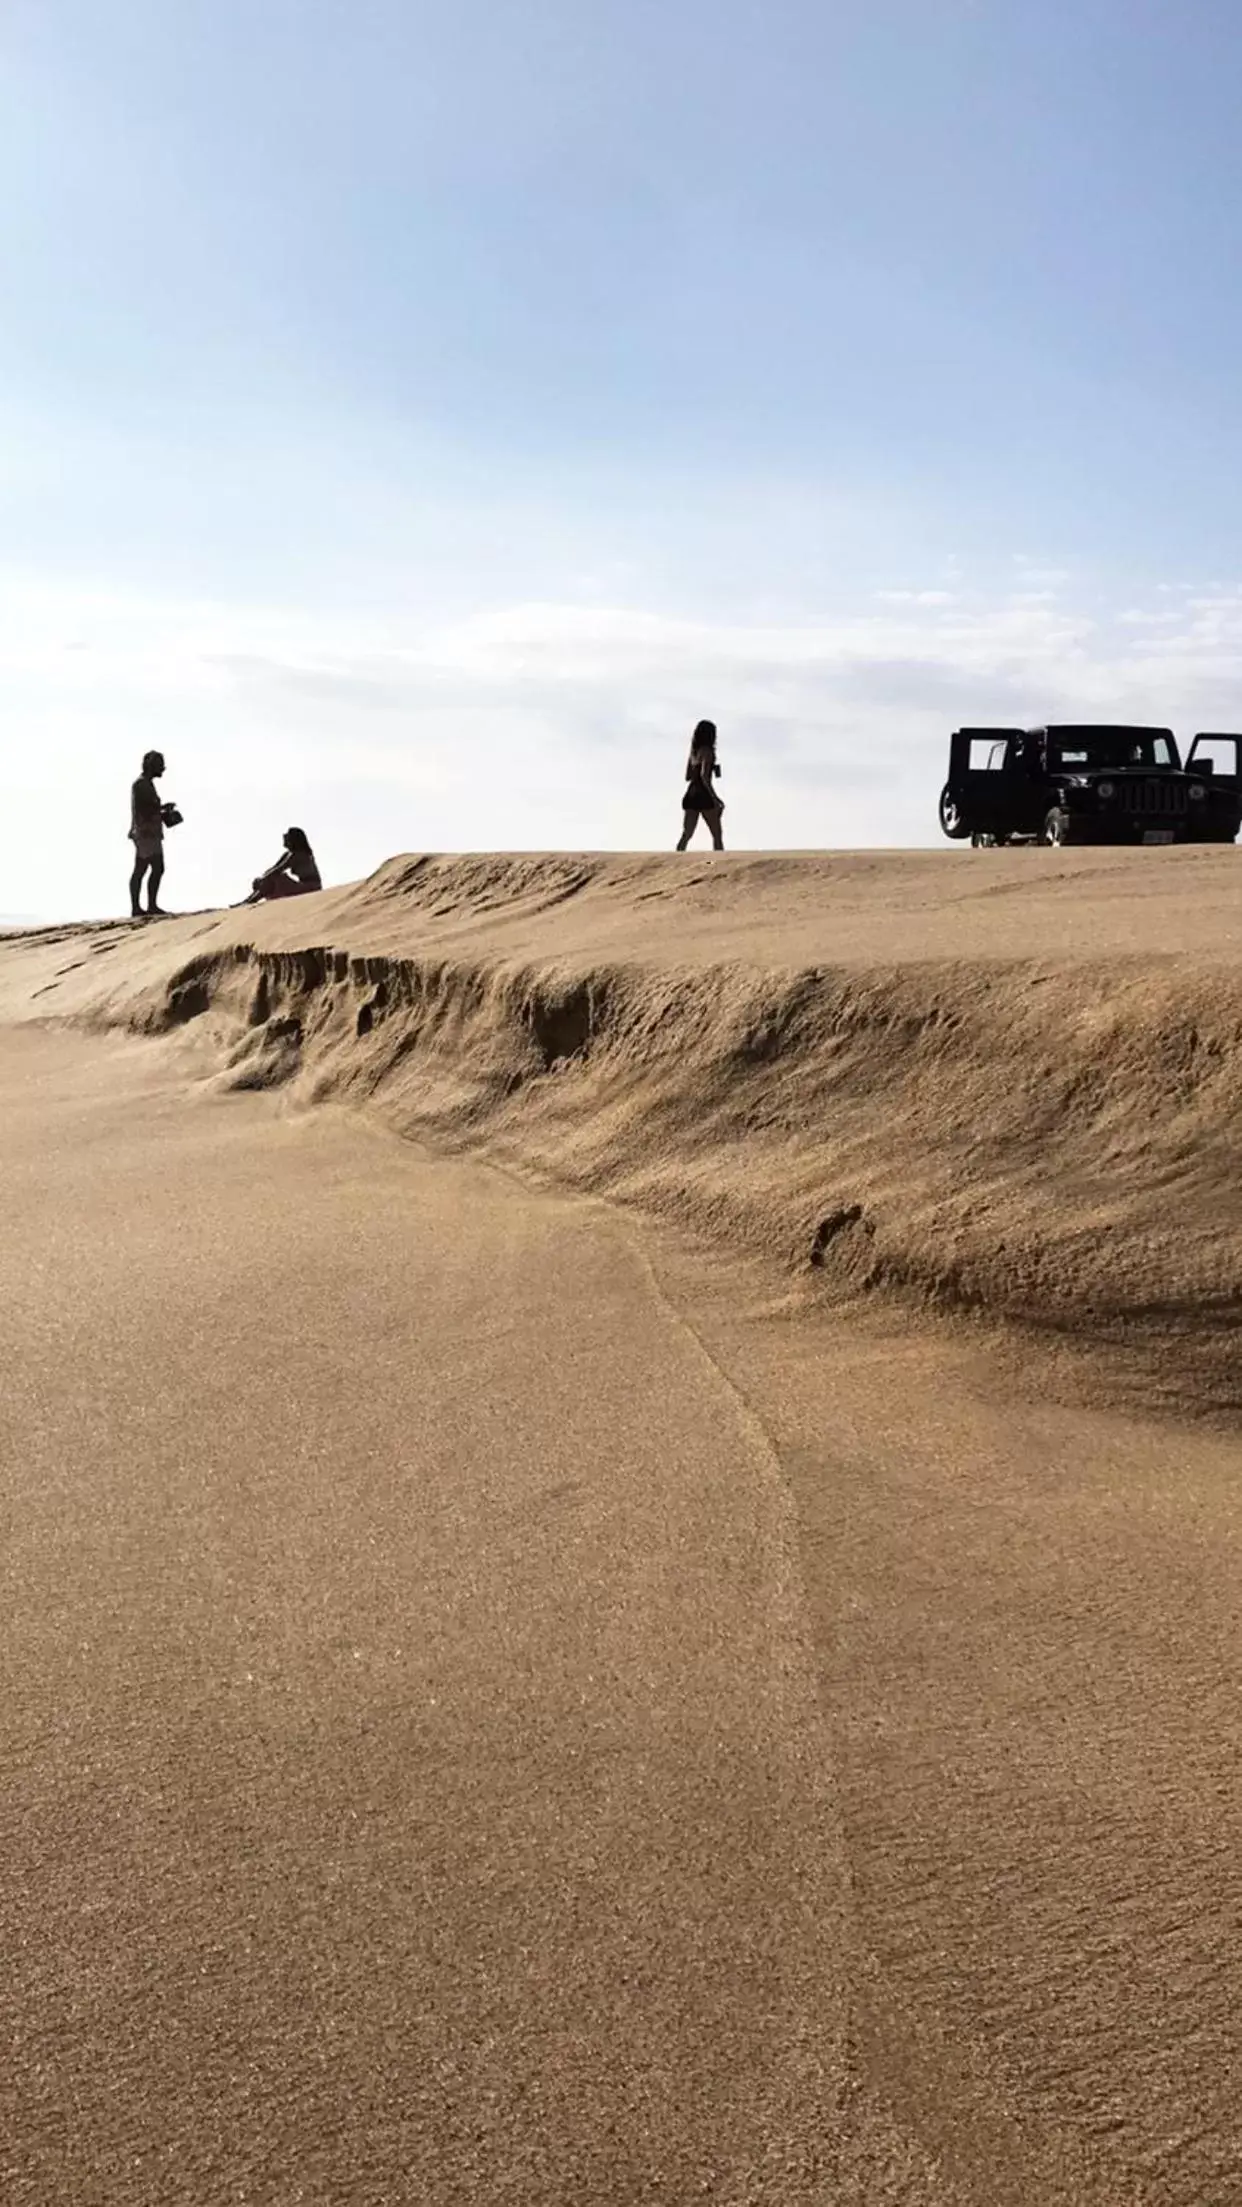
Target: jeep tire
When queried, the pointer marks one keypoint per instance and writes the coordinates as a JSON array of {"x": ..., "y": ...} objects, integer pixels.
[
  {"x": 951, "y": 820},
  {"x": 1058, "y": 829}
]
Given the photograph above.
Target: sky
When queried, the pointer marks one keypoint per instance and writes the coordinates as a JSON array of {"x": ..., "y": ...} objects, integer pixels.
[{"x": 413, "y": 418}]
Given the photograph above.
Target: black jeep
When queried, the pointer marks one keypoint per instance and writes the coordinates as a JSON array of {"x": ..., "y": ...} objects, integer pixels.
[{"x": 1090, "y": 785}]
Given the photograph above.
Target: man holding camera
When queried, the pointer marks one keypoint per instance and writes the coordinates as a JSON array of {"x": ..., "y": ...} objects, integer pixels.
[{"x": 148, "y": 819}]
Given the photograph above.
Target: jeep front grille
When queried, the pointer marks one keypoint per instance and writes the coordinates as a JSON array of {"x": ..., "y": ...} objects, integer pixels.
[{"x": 1159, "y": 796}]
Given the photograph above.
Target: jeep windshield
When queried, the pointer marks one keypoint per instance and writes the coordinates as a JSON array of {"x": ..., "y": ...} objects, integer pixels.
[{"x": 1111, "y": 750}]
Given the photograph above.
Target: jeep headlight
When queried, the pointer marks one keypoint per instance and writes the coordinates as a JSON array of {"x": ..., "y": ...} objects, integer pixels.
[
  {"x": 1196, "y": 789},
  {"x": 1107, "y": 789}
]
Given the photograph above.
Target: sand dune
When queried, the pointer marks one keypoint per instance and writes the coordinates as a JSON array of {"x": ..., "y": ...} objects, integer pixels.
[
  {"x": 1001, "y": 1082},
  {"x": 508, "y": 1703},
  {"x": 411, "y": 1778}
]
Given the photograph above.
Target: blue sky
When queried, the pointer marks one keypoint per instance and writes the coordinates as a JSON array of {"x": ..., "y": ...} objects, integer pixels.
[{"x": 413, "y": 418}]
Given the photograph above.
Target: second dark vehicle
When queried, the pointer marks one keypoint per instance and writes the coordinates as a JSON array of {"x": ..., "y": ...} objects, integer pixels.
[{"x": 1091, "y": 785}]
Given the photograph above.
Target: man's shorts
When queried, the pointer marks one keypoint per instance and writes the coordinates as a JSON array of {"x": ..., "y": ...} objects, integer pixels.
[{"x": 148, "y": 842}]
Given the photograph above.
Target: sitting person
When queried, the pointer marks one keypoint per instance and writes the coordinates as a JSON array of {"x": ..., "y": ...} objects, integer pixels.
[{"x": 295, "y": 873}]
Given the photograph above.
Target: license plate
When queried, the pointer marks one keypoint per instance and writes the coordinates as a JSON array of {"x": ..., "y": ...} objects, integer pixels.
[{"x": 1157, "y": 835}]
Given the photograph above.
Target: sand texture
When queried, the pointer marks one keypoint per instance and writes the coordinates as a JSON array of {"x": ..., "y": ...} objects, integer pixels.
[
  {"x": 672, "y": 1635},
  {"x": 1004, "y": 1082}
]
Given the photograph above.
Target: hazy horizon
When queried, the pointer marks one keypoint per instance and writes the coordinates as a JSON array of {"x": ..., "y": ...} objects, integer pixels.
[{"x": 411, "y": 425}]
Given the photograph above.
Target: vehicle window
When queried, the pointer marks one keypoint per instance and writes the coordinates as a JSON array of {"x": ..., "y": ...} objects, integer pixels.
[
  {"x": 1116, "y": 749},
  {"x": 987, "y": 755},
  {"x": 1218, "y": 752}
]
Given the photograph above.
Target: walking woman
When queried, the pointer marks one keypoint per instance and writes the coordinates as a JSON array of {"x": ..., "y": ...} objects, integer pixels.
[{"x": 701, "y": 801}]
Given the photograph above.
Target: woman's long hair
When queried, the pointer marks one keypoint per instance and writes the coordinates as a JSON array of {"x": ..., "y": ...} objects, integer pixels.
[
  {"x": 296, "y": 839},
  {"x": 701, "y": 764}
]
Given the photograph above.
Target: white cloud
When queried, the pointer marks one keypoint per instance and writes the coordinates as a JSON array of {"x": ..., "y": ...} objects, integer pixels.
[{"x": 915, "y": 597}]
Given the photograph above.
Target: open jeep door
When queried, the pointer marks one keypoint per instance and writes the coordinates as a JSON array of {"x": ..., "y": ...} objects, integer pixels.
[
  {"x": 1219, "y": 756},
  {"x": 1218, "y": 759},
  {"x": 983, "y": 792}
]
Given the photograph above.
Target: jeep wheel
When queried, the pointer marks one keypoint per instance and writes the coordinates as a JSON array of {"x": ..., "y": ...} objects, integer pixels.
[
  {"x": 951, "y": 816},
  {"x": 1057, "y": 829}
]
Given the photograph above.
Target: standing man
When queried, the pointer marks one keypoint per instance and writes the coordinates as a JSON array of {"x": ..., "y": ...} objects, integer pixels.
[{"x": 146, "y": 833}]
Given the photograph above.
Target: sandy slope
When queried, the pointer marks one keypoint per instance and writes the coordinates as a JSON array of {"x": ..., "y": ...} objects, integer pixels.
[
  {"x": 1006, "y": 1081},
  {"x": 959, "y": 1928},
  {"x": 1031, "y": 1664},
  {"x": 414, "y": 1787}
]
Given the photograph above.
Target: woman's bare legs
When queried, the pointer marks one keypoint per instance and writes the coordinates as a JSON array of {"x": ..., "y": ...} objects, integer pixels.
[
  {"x": 713, "y": 819},
  {"x": 276, "y": 885}
]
